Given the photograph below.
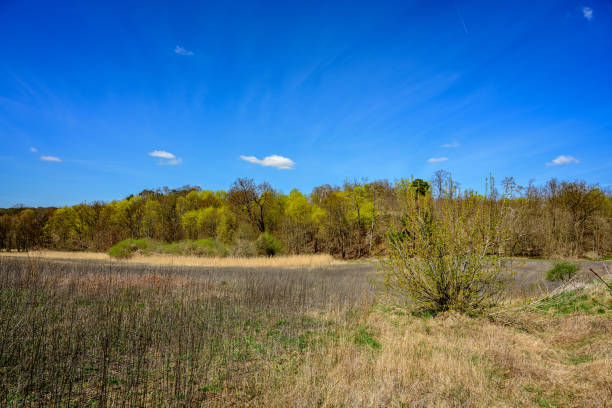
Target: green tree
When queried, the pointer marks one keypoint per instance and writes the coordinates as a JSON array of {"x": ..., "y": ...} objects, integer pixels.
[
  {"x": 421, "y": 187},
  {"x": 150, "y": 226}
]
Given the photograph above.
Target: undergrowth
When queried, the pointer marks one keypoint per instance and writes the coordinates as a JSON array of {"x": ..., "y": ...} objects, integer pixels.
[{"x": 208, "y": 247}]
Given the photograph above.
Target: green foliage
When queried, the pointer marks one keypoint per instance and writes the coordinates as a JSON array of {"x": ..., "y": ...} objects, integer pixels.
[
  {"x": 562, "y": 272},
  {"x": 128, "y": 247},
  {"x": 350, "y": 221},
  {"x": 447, "y": 256},
  {"x": 577, "y": 301},
  {"x": 209, "y": 247},
  {"x": 71, "y": 227},
  {"x": 267, "y": 245},
  {"x": 365, "y": 337},
  {"x": 420, "y": 186}
]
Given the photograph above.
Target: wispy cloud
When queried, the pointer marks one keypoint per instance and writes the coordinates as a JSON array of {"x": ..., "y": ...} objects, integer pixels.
[
  {"x": 279, "y": 162},
  {"x": 560, "y": 160},
  {"x": 162, "y": 154},
  {"x": 50, "y": 159},
  {"x": 462, "y": 20},
  {"x": 182, "y": 51},
  {"x": 454, "y": 144},
  {"x": 437, "y": 159},
  {"x": 33, "y": 150},
  {"x": 168, "y": 159},
  {"x": 587, "y": 12},
  {"x": 171, "y": 162}
]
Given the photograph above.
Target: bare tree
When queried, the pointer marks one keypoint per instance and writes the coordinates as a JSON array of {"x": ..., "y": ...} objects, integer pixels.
[{"x": 251, "y": 201}]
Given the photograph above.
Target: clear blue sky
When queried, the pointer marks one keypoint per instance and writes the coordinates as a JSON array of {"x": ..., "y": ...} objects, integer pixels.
[{"x": 343, "y": 90}]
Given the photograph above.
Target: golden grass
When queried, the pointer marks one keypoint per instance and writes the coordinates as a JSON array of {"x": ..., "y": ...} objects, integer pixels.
[
  {"x": 277, "y": 261},
  {"x": 171, "y": 260},
  {"x": 59, "y": 255},
  {"x": 456, "y": 361}
]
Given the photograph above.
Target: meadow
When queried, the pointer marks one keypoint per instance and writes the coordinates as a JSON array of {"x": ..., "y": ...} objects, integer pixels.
[{"x": 94, "y": 332}]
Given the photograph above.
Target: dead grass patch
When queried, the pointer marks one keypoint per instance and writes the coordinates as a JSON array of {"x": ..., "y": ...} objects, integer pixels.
[
  {"x": 170, "y": 260},
  {"x": 453, "y": 360}
]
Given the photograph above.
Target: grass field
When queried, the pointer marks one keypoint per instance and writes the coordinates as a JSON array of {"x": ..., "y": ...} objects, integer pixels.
[
  {"x": 91, "y": 332},
  {"x": 183, "y": 260}
]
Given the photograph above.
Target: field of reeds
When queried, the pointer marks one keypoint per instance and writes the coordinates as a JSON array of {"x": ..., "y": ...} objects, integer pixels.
[
  {"x": 88, "y": 332},
  {"x": 186, "y": 260}
]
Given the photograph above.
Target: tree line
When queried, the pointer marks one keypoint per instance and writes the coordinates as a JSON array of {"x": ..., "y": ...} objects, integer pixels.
[{"x": 558, "y": 218}]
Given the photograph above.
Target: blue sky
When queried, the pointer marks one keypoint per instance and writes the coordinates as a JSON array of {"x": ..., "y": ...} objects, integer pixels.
[{"x": 98, "y": 101}]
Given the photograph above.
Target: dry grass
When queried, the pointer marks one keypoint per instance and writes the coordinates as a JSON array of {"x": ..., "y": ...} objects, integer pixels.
[
  {"x": 456, "y": 361},
  {"x": 259, "y": 262},
  {"x": 88, "y": 256},
  {"x": 116, "y": 333},
  {"x": 170, "y": 260}
]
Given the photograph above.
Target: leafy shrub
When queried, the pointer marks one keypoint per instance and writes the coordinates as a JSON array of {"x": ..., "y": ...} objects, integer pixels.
[
  {"x": 209, "y": 247},
  {"x": 447, "y": 254},
  {"x": 562, "y": 272},
  {"x": 127, "y": 248},
  {"x": 173, "y": 248},
  {"x": 267, "y": 245}
]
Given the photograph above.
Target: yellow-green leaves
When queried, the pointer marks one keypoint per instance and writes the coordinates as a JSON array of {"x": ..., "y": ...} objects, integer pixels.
[{"x": 445, "y": 257}]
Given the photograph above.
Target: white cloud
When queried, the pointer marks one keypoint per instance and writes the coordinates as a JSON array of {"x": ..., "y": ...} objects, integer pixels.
[
  {"x": 182, "y": 51},
  {"x": 560, "y": 160},
  {"x": 280, "y": 162},
  {"x": 454, "y": 144},
  {"x": 437, "y": 159},
  {"x": 587, "y": 12},
  {"x": 162, "y": 154},
  {"x": 50, "y": 159},
  {"x": 171, "y": 162},
  {"x": 168, "y": 159},
  {"x": 33, "y": 150}
]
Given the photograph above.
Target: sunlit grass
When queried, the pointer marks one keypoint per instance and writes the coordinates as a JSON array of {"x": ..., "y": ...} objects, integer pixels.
[
  {"x": 182, "y": 260},
  {"x": 79, "y": 333}
]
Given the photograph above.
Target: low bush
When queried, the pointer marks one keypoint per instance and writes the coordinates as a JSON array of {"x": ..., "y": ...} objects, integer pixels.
[
  {"x": 267, "y": 245},
  {"x": 209, "y": 247},
  {"x": 562, "y": 272},
  {"x": 127, "y": 247}
]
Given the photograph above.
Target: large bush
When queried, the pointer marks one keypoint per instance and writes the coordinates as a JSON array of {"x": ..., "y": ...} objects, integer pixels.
[
  {"x": 562, "y": 272},
  {"x": 447, "y": 253}
]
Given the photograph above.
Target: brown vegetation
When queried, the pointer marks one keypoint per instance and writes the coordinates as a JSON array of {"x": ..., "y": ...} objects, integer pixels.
[
  {"x": 79, "y": 333},
  {"x": 170, "y": 260}
]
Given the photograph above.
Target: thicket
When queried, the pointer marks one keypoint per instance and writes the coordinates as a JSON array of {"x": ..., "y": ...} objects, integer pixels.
[{"x": 557, "y": 219}]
